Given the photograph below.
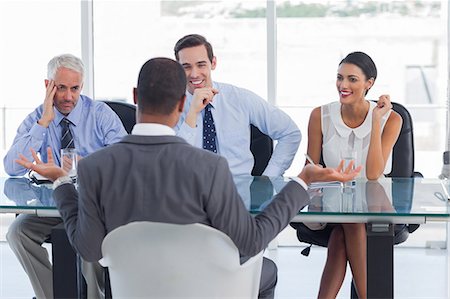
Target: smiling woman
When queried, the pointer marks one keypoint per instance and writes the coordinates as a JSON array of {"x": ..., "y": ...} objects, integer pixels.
[{"x": 408, "y": 41}]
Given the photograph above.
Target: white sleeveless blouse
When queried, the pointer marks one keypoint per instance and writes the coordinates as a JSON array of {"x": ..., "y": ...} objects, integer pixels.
[{"x": 338, "y": 137}]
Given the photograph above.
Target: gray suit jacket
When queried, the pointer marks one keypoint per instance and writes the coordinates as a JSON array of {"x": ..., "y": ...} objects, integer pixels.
[{"x": 164, "y": 179}]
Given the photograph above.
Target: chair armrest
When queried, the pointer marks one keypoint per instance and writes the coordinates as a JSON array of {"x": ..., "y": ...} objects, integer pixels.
[{"x": 417, "y": 174}]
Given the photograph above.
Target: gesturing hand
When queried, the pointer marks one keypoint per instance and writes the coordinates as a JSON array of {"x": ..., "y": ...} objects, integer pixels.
[
  {"x": 314, "y": 173},
  {"x": 49, "y": 170}
]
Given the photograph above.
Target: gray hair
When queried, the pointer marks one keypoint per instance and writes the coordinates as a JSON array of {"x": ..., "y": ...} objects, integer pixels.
[{"x": 68, "y": 61}]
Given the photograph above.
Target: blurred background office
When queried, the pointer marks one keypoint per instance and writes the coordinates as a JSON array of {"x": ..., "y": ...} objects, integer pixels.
[{"x": 286, "y": 51}]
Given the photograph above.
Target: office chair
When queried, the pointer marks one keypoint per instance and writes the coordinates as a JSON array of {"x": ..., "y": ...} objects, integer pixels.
[
  {"x": 402, "y": 166},
  {"x": 126, "y": 113},
  {"x": 261, "y": 147},
  {"x": 403, "y": 161},
  {"x": 163, "y": 260}
]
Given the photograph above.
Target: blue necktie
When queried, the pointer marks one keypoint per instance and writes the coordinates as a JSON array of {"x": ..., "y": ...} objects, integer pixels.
[
  {"x": 209, "y": 131},
  {"x": 66, "y": 135}
]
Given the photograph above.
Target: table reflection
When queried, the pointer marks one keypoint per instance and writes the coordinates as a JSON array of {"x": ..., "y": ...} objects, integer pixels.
[
  {"x": 365, "y": 197},
  {"x": 385, "y": 197},
  {"x": 25, "y": 193}
]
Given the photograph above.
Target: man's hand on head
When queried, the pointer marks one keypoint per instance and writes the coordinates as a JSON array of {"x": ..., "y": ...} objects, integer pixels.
[
  {"x": 48, "y": 114},
  {"x": 316, "y": 173},
  {"x": 49, "y": 170}
]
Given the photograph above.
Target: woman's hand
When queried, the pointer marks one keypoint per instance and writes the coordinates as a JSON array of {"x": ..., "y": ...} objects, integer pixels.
[{"x": 383, "y": 106}]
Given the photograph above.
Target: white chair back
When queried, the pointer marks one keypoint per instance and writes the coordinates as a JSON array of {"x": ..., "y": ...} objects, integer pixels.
[{"x": 162, "y": 260}]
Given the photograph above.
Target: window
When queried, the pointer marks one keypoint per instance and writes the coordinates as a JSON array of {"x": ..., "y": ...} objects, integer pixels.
[
  {"x": 128, "y": 33},
  {"x": 406, "y": 39},
  {"x": 32, "y": 32}
]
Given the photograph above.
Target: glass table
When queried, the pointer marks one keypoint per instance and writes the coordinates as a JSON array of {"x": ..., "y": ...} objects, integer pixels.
[{"x": 380, "y": 204}]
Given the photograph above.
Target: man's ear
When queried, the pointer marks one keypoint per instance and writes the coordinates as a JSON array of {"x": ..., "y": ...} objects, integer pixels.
[
  {"x": 181, "y": 104},
  {"x": 135, "y": 100},
  {"x": 46, "y": 81},
  {"x": 214, "y": 63}
]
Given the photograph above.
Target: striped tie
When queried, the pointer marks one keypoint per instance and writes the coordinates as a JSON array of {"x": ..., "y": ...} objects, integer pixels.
[{"x": 66, "y": 135}]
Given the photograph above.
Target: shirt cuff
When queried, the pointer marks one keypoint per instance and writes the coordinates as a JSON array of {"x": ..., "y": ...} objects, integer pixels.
[
  {"x": 61, "y": 181},
  {"x": 38, "y": 131},
  {"x": 300, "y": 181}
]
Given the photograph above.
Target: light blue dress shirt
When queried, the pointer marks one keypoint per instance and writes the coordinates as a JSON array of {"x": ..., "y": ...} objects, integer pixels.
[
  {"x": 234, "y": 109},
  {"x": 94, "y": 125}
]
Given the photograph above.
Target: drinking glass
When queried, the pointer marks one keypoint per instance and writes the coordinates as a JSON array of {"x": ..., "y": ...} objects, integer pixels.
[
  {"x": 349, "y": 156},
  {"x": 69, "y": 161}
]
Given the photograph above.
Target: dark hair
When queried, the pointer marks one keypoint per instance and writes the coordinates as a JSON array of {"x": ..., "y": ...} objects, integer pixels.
[
  {"x": 161, "y": 85},
  {"x": 364, "y": 62},
  {"x": 193, "y": 40}
]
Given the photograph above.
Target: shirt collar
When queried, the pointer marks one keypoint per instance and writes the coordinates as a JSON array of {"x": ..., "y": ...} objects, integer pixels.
[
  {"x": 152, "y": 129},
  {"x": 343, "y": 130}
]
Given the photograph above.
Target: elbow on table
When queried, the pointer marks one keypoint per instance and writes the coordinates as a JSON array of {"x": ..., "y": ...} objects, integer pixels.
[{"x": 373, "y": 175}]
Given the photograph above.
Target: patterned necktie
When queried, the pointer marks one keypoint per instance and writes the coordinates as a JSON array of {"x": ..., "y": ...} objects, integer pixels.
[
  {"x": 66, "y": 135},
  {"x": 209, "y": 131}
]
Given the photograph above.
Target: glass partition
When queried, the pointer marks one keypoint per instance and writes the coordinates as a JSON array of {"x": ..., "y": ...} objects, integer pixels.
[
  {"x": 127, "y": 33},
  {"x": 31, "y": 32}
]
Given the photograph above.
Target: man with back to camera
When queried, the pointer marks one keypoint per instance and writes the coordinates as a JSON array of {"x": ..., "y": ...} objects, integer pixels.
[
  {"x": 229, "y": 110},
  {"x": 65, "y": 119},
  {"x": 167, "y": 180}
]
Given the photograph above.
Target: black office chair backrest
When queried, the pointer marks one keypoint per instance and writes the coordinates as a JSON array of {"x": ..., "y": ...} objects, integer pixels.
[
  {"x": 261, "y": 147},
  {"x": 403, "y": 151},
  {"x": 403, "y": 164},
  {"x": 126, "y": 113}
]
